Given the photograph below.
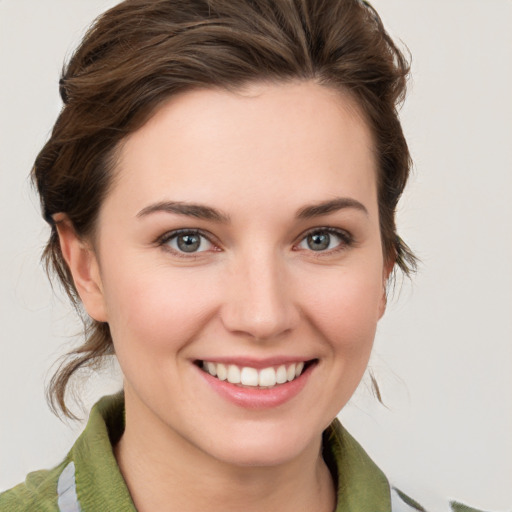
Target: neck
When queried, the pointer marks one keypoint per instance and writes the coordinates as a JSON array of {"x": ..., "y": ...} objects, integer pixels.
[{"x": 164, "y": 472}]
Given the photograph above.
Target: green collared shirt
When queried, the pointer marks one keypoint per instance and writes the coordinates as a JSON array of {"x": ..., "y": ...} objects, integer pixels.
[{"x": 89, "y": 479}]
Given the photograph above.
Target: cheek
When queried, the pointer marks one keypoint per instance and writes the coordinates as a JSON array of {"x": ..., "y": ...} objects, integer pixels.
[
  {"x": 346, "y": 308},
  {"x": 156, "y": 308}
]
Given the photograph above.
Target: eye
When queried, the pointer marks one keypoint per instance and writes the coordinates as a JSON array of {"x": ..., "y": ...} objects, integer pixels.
[
  {"x": 325, "y": 239},
  {"x": 186, "y": 241}
]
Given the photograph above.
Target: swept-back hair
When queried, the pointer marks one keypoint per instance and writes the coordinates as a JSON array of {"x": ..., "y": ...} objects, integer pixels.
[{"x": 141, "y": 52}]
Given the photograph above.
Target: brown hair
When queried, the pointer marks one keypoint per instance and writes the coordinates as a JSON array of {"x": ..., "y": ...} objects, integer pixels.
[{"x": 141, "y": 52}]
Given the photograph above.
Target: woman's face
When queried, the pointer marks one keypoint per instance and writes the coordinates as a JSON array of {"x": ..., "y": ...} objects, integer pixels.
[{"x": 241, "y": 237}]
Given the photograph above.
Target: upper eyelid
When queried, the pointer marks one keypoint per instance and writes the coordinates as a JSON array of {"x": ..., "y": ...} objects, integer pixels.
[
  {"x": 169, "y": 235},
  {"x": 329, "y": 229}
]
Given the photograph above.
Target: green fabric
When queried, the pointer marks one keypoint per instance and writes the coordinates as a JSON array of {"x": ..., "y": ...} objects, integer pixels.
[
  {"x": 37, "y": 493},
  {"x": 361, "y": 485},
  {"x": 99, "y": 483},
  {"x": 412, "y": 503},
  {"x": 459, "y": 507}
]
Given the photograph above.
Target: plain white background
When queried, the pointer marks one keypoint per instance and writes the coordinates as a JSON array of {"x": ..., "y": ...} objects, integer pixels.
[{"x": 443, "y": 354}]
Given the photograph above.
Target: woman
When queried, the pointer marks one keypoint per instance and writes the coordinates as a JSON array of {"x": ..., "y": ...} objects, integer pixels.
[{"x": 221, "y": 187}]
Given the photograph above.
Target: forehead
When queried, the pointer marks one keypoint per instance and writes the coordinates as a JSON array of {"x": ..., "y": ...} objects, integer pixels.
[{"x": 216, "y": 145}]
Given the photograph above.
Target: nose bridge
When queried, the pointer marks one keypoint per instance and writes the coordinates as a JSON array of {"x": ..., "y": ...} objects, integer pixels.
[{"x": 260, "y": 303}]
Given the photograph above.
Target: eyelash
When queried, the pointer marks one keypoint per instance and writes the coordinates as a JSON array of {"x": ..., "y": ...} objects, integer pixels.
[
  {"x": 346, "y": 240},
  {"x": 172, "y": 235}
]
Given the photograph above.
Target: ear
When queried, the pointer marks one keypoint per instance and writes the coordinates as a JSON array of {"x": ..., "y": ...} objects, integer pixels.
[
  {"x": 388, "y": 268},
  {"x": 83, "y": 264}
]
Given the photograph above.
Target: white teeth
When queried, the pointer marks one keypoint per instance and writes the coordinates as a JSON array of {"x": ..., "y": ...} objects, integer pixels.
[
  {"x": 222, "y": 372},
  {"x": 290, "y": 374},
  {"x": 267, "y": 377},
  {"x": 281, "y": 374},
  {"x": 233, "y": 374},
  {"x": 247, "y": 376},
  {"x": 212, "y": 370}
]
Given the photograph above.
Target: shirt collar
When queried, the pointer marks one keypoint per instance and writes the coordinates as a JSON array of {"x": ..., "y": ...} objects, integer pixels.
[
  {"x": 99, "y": 483},
  {"x": 360, "y": 484}
]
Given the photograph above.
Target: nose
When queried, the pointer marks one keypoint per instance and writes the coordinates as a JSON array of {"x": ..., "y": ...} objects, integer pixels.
[{"x": 260, "y": 302}]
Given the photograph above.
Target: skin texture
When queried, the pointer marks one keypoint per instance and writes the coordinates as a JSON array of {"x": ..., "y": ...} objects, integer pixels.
[{"x": 254, "y": 290}]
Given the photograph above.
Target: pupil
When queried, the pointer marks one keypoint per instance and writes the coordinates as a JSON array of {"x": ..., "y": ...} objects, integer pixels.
[
  {"x": 319, "y": 241},
  {"x": 189, "y": 243}
]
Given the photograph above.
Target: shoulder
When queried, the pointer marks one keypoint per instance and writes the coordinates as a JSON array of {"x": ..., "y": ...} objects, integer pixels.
[
  {"x": 401, "y": 502},
  {"x": 87, "y": 479},
  {"x": 361, "y": 485},
  {"x": 36, "y": 493}
]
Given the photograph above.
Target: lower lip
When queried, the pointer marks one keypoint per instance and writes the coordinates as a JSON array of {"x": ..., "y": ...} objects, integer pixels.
[{"x": 257, "y": 398}]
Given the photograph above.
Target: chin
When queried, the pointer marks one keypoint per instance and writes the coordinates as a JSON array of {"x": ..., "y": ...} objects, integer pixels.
[
  {"x": 250, "y": 457},
  {"x": 264, "y": 447}
]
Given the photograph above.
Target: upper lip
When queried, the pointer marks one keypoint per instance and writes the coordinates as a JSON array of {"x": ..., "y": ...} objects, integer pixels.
[{"x": 258, "y": 363}]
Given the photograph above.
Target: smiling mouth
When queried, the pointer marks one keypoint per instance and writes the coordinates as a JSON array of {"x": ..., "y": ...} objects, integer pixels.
[{"x": 263, "y": 378}]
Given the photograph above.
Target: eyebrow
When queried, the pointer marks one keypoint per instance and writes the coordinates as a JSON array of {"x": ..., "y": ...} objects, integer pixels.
[
  {"x": 198, "y": 211},
  {"x": 326, "y": 207}
]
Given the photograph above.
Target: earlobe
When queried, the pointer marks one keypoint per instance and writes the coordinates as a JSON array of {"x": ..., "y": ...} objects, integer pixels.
[
  {"x": 383, "y": 302},
  {"x": 385, "y": 279},
  {"x": 83, "y": 265}
]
